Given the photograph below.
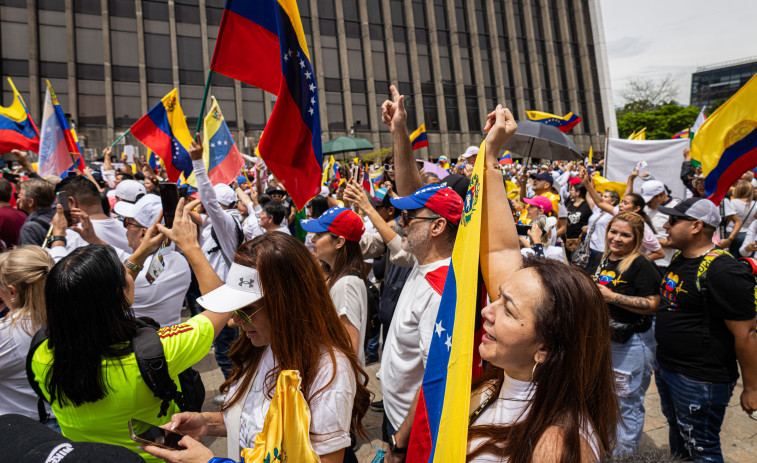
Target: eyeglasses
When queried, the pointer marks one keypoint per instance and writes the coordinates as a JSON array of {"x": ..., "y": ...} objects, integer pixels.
[
  {"x": 243, "y": 315},
  {"x": 675, "y": 219},
  {"x": 389, "y": 167},
  {"x": 128, "y": 223},
  {"x": 407, "y": 217}
]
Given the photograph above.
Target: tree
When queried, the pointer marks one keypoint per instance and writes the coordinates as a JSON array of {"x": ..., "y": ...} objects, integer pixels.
[
  {"x": 648, "y": 94},
  {"x": 661, "y": 123}
]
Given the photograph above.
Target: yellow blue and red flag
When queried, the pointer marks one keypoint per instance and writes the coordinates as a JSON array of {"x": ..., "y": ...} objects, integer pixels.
[
  {"x": 726, "y": 143},
  {"x": 682, "y": 134},
  {"x": 563, "y": 123},
  {"x": 440, "y": 426},
  {"x": 58, "y": 148},
  {"x": 327, "y": 170},
  {"x": 164, "y": 130},
  {"x": 419, "y": 139},
  {"x": 17, "y": 129},
  {"x": 263, "y": 44},
  {"x": 506, "y": 158},
  {"x": 223, "y": 160},
  {"x": 377, "y": 176}
]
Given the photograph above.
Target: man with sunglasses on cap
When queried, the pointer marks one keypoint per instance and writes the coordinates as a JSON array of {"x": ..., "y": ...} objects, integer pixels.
[
  {"x": 430, "y": 216},
  {"x": 705, "y": 324}
]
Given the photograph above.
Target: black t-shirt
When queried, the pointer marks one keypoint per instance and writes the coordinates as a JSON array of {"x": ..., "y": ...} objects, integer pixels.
[
  {"x": 578, "y": 217},
  {"x": 680, "y": 320},
  {"x": 642, "y": 279}
]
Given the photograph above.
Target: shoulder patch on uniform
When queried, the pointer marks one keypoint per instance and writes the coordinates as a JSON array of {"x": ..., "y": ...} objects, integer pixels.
[{"x": 169, "y": 331}]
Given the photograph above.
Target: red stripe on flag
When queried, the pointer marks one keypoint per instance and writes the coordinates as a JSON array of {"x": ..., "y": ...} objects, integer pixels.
[
  {"x": 228, "y": 170},
  {"x": 732, "y": 173},
  {"x": 12, "y": 140},
  {"x": 566, "y": 128},
  {"x": 244, "y": 48},
  {"x": 419, "y": 447},
  {"x": 160, "y": 142},
  {"x": 420, "y": 144}
]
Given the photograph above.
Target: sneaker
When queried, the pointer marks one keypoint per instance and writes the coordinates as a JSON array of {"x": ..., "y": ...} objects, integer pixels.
[
  {"x": 219, "y": 399},
  {"x": 371, "y": 359},
  {"x": 377, "y": 406}
]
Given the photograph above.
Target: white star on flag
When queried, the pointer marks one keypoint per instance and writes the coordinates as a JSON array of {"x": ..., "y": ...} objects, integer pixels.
[
  {"x": 307, "y": 75},
  {"x": 225, "y": 142},
  {"x": 448, "y": 343},
  {"x": 312, "y": 100},
  {"x": 439, "y": 329},
  {"x": 312, "y": 87},
  {"x": 212, "y": 145},
  {"x": 310, "y": 111},
  {"x": 302, "y": 63},
  {"x": 286, "y": 57}
]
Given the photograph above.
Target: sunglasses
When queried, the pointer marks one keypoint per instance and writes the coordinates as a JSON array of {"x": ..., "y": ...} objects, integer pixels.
[
  {"x": 243, "y": 315},
  {"x": 128, "y": 223},
  {"x": 674, "y": 220},
  {"x": 389, "y": 167},
  {"x": 407, "y": 217}
]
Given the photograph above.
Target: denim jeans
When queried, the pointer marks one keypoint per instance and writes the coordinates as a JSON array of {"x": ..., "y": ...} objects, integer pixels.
[
  {"x": 372, "y": 349},
  {"x": 695, "y": 410},
  {"x": 222, "y": 344},
  {"x": 633, "y": 363}
]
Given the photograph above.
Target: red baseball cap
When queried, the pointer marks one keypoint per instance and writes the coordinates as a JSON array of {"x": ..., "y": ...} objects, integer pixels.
[
  {"x": 440, "y": 199},
  {"x": 339, "y": 221}
]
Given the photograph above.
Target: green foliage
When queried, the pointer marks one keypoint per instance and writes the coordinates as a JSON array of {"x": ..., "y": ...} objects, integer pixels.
[
  {"x": 661, "y": 123},
  {"x": 714, "y": 106}
]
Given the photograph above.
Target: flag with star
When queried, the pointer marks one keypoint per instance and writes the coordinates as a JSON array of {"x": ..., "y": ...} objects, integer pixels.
[
  {"x": 262, "y": 43},
  {"x": 58, "y": 148},
  {"x": 223, "y": 161},
  {"x": 164, "y": 130},
  {"x": 440, "y": 425}
]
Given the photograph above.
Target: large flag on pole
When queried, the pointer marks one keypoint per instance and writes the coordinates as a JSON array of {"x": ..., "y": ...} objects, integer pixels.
[
  {"x": 263, "y": 44},
  {"x": 563, "y": 123},
  {"x": 223, "y": 161},
  {"x": 419, "y": 139},
  {"x": 726, "y": 143},
  {"x": 164, "y": 130},
  {"x": 17, "y": 129},
  {"x": 58, "y": 149},
  {"x": 440, "y": 426}
]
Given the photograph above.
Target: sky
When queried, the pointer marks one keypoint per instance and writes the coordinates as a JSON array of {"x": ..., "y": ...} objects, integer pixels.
[{"x": 653, "y": 38}]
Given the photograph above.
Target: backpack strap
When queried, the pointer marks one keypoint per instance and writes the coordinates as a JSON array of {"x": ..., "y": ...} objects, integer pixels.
[
  {"x": 217, "y": 248},
  {"x": 152, "y": 364},
  {"x": 39, "y": 337},
  {"x": 704, "y": 290}
]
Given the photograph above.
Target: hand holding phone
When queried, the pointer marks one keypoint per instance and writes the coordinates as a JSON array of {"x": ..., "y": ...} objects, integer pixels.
[
  {"x": 169, "y": 199},
  {"x": 522, "y": 229},
  {"x": 146, "y": 433},
  {"x": 62, "y": 198}
]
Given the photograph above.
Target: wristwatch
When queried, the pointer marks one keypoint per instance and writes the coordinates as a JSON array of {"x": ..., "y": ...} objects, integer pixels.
[
  {"x": 395, "y": 449},
  {"x": 132, "y": 266},
  {"x": 55, "y": 238}
]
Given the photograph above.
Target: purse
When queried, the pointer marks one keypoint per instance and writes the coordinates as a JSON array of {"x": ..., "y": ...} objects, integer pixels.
[{"x": 582, "y": 253}]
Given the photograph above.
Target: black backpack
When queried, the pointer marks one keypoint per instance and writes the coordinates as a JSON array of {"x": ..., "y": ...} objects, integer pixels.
[
  {"x": 373, "y": 325},
  {"x": 152, "y": 364}
]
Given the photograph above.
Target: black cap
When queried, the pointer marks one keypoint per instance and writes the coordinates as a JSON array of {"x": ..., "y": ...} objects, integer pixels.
[
  {"x": 26, "y": 440},
  {"x": 544, "y": 176},
  {"x": 275, "y": 190},
  {"x": 459, "y": 183}
]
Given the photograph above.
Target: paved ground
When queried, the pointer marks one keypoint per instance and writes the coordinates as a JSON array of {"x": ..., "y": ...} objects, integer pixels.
[{"x": 739, "y": 435}]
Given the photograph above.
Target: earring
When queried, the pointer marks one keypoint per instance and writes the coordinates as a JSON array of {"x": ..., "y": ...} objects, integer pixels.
[{"x": 534, "y": 371}]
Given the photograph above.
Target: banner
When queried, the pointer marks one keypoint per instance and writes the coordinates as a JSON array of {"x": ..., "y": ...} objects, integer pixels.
[{"x": 663, "y": 157}]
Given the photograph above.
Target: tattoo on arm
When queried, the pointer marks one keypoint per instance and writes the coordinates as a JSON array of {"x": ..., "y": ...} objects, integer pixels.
[{"x": 632, "y": 302}]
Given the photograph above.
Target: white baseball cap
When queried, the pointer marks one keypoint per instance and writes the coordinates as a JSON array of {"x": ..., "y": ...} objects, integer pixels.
[
  {"x": 696, "y": 208},
  {"x": 225, "y": 194},
  {"x": 130, "y": 190},
  {"x": 145, "y": 211},
  {"x": 242, "y": 288},
  {"x": 650, "y": 189},
  {"x": 471, "y": 151}
]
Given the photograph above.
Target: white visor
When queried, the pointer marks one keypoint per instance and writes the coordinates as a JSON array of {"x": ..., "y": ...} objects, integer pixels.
[{"x": 242, "y": 288}]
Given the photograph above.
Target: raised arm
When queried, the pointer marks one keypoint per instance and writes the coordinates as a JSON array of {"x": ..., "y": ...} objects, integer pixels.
[
  {"x": 598, "y": 201},
  {"x": 500, "y": 250},
  {"x": 629, "y": 183},
  {"x": 408, "y": 178}
]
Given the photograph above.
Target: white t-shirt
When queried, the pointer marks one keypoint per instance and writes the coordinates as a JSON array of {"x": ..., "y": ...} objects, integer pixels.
[
  {"x": 597, "y": 238},
  {"x": 16, "y": 395},
  {"x": 512, "y": 406},
  {"x": 111, "y": 231},
  {"x": 744, "y": 209},
  {"x": 330, "y": 410},
  {"x": 658, "y": 220},
  {"x": 407, "y": 344},
  {"x": 350, "y": 298}
]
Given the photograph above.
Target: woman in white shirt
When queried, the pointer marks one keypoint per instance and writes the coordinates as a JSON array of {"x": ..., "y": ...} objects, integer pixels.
[
  {"x": 539, "y": 242},
  {"x": 744, "y": 205},
  {"x": 280, "y": 300},
  {"x": 544, "y": 396}
]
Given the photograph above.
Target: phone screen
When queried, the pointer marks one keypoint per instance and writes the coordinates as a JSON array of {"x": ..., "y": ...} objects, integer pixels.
[
  {"x": 169, "y": 198},
  {"x": 62, "y": 198},
  {"x": 147, "y": 433}
]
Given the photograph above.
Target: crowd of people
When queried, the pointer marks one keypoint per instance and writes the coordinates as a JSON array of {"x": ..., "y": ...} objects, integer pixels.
[{"x": 590, "y": 295}]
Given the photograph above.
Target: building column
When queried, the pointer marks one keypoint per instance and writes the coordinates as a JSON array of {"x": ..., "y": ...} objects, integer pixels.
[
  {"x": 603, "y": 69},
  {"x": 34, "y": 98},
  {"x": 316, "y": 28},
  {"x": 532, "y": 53},
  {"x": 141, "y": 57},
  {"x": 554, "y": 78},
  {"x": 73, "y": 101},
  {"x": 586, "y": 71},
  {"x": 365, "y": 36},
  {"x": 478, "y": 70},
  {"x": 517, "y": 82},
  {"x": 570, "y": 64},
  {"x": 456, "y": 62},
  {"x": 174, "y": 44},
  {"x": 109, "y": 119},
  {"x": 437, "y": 70},
  {"x": 415, "y": 70},
  {"x": 496, "y": 60},
  {"x": 341, "y": 41}
]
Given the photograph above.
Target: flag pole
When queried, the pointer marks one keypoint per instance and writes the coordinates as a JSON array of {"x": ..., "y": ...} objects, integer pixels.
[
  {"x": 120, "y": 138},
  {"x": 204, "y": 99}
]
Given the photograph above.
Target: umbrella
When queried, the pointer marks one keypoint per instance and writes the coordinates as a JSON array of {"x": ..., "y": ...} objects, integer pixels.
[
  {"x": 345, "y": 145},
  {"x": 535, "y": 139}
]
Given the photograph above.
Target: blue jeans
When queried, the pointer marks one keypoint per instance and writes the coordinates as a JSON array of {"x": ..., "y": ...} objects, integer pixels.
[
  {"x": 695, "y": 410},
  {"x": 372, "y": 349},
  {"x": 633, "y": 363},
  {"x": 222, "y": 344}
]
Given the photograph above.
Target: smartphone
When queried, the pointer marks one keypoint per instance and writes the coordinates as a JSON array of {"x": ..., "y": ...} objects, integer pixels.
[
  {"x": 146, "y": 433},
  {"x": 11, "y": 177},
  {"x": 62, "y": 197},
  {"x": 169, "y": 198},
  {"x": 522, "y": 229}
]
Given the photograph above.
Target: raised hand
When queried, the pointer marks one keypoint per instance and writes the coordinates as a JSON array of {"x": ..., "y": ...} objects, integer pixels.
[
  {"x": 393, "y": 112},
  {"x": 195, "y": 149}
]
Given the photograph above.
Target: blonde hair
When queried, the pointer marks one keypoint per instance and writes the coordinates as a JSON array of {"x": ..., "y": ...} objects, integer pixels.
[
  {"x": 636, "y": 223},
  {"x": 546, "y": 225},
  {"x": 743, "y": 189},
  {"x": 26, "y": 268}
]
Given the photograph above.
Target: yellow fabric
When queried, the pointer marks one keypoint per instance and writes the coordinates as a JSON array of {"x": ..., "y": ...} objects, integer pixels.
[
  {"x": 591, "y": 153},
  {"x": 601, "y": 184},
  {"x": 640, "y": 135},
  {"x": 736, "y": 118},
  {"x": 16, "y": 111},
  {"x": 512, "y": 189},
  {"x": 286, "y": 429},
  {"x": 327, "y": 170},
  {"x": 417, "y": 132},
  {"x": 555, "y": 201}
]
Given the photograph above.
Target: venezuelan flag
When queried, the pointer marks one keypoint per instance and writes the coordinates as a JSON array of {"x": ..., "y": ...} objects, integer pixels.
[
  {"x": 58, "y": 148},
  {"x": 223, "y": 160},
  {"x": 682, "y": 134},
  {"x": 726, "y": 143},
  {"x": 263, "y": 44},
  {"x": 377, "y": 176},
  {"x": 17, "y": 129},
  {"x": 419, "y": 139},
  {"x": 563, "y": 123},
  {"x": 601, "y": 184},
  {"x": 506, "y": 158},
  {"x": 440, "y": 426},
  {"x": 164, "y": 130},
  {"x": 327, "y": 169}
]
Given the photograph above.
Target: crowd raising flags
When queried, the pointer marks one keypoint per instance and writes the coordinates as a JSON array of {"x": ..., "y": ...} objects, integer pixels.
[
  {"x": 17, "y": 129},
  {"x": 58, "y": 148}
]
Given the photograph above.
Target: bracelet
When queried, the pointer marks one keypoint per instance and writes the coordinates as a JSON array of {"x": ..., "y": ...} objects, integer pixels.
[
  {"x": 55, "y": 238},
  {"x": 132, "y": 266}
]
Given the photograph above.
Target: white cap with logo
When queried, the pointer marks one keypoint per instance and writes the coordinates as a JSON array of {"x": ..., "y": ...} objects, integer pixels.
[
  {"x": 145, "y": 211},
  {"x": 650, "y": 189},
  {"x": 242, "y": 288}
]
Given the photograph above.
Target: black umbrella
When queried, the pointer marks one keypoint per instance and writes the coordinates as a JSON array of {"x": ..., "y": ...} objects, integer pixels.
[{"x": 538, "y": 140}]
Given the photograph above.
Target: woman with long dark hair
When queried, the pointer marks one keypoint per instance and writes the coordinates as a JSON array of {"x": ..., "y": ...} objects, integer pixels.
[
  {"x": 544, "y": 396},
  {"x": 337, "y": 245},
  {"x": 629, "y": 283},
  {"x": 86, "y": 368},
  {"x": 285, "y": 328}
]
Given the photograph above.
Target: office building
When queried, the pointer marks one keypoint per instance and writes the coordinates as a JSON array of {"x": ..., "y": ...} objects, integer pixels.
[{"x": 720, "y": 81}]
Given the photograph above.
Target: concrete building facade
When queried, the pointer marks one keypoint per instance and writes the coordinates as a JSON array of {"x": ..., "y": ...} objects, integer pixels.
[
  {"x": 720, "y": 81},
  {"x": 109, "y": 61}
]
